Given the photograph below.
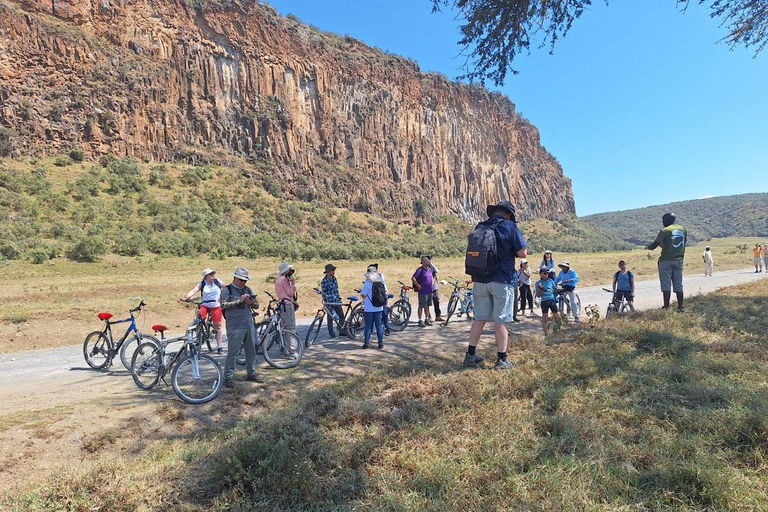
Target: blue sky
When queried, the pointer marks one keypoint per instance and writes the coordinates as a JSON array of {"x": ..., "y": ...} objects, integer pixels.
[{"x": 639, "y": 103}]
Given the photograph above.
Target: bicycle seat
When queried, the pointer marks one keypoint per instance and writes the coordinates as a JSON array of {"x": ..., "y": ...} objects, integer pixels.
[
  {"x": 468, "y": 282},
  {"x": 105, "y": 316},
  {"x": 352, "y": 298},
  {"x": 406, "y": 288},
  {"x": 470, "y": 292},
  {"x": 159, "y": 328}
]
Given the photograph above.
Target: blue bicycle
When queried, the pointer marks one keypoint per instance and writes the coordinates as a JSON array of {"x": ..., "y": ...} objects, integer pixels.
[
  {"x": 461, "y": 297},
  {"x": 100, "y": 348}
]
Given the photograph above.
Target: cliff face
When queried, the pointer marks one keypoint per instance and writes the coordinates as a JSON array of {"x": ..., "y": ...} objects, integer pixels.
[{"x": 326, "y": 117}]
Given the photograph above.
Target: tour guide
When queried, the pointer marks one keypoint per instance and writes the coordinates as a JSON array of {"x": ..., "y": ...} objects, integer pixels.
[{"x": 672, "y": 241}]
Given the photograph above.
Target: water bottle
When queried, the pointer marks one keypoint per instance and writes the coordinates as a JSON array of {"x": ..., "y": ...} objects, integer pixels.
[{"x": 335, "y": 315}]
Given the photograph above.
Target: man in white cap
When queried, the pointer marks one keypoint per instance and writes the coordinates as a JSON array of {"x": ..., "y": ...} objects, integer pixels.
[
  {"x": 236, "y": 302},
  {"x": 285, "y": 289},
  {"x": 568, "y": 278},
  {"x": 709, "y": 262}
]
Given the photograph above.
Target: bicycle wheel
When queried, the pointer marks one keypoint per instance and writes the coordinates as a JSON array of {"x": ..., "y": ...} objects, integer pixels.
[
  {"x": 624, "y": 307},
  {"x": 470, "y": 308},
  {"x": 314, "y": 330},
  {"x": 611, "y": 310},
  {"x": 283, "y": 349},
  {"x": 97, "y": 350},
  {"x": 145, "y": 365},
  {"x": 399, "y": 314},
  {"x": 130, "y": 345},
  {"x": 203, "y": 333},
  {"x": 197, "y": 379},
  {"x": 356, "y": 325},
  {"x": 451, "y": 308}
]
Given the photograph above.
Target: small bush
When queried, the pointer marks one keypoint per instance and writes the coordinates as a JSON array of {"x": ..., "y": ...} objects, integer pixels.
[
  {"x": 10, "y": 251},
  {"x": 62, "y": 161},
  {"x": 77, "y": 155},
  {"x": 87, "y": 249},
  {"x": 38, "y": 257},
  {"x": 6, "y": 147}
]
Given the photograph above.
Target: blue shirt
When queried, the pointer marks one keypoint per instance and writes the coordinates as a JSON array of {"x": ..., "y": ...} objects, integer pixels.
[
  {"x": 623, "y": 282},
  {"x": 569, "y": 278},
  {"x": 509, "y": 241},
  {"x": 548, "y": 289},
  {"x": 330, "y": 288}
]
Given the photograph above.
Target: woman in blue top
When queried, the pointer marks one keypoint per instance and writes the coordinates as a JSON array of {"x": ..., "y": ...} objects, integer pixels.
[
  {"x": 624, "y": 286},
  {"x": 547, "y": 261},
  {"x": 545, "y": 289},
  {"x": 371, "y": 313}
]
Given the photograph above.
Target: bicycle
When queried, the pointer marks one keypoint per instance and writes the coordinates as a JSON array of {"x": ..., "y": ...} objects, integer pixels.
[
  {"x": 100, "y": 348},
  {"x": 613, "y": 308},
  {"x": 461, "y": 296},
  {"x": 196, "y": 378},
  {"x": 564, "y": 303},
  {"x": 281, "y": 349},
  {"x": 400, "y": 311},
  {"x": 348, "y": 327},
  {"x": 206, "y": 331}
]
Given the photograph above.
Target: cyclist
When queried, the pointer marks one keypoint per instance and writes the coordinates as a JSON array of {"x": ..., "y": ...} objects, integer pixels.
[
  {"x": 329, "y": 286},
  {"x": 372, "y": 313},
  {"x": 435, "y": 291},
  {"x": 385, "y": 311},
  {"x": 549, "y": 262},
  {"x": 568, "y": 279},
  {"x": 545, "y": 289},
  {"x": 210, "y": 294},
  {"x": 672, "y": 239},
  {"x": 624, "y": 286},
  {"x": 524, "y": 280},
  {"x": 422, "y": 282},
  {"x": 237, "y": 299},
  {"x": 285, "y": 289}
]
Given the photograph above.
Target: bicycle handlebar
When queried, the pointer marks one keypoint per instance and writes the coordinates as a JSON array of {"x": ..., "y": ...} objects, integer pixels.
[
  {"x": 138, "y": 308},
  {"x": 607, "y": 290}
]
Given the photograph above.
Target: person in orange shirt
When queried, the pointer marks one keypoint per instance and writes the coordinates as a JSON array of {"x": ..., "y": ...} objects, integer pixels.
[{"x": 757, "y": 253}]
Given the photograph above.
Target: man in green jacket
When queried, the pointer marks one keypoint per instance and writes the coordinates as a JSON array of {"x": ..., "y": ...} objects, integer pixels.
[{"x": 672, "y": 240}]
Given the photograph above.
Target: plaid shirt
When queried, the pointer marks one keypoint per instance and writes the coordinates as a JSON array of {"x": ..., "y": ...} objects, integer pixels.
[{"x": 330, "y": 288}]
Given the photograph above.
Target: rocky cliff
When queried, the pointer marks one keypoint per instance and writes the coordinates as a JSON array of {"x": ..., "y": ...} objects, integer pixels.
[{"x": 325, "y": 116}]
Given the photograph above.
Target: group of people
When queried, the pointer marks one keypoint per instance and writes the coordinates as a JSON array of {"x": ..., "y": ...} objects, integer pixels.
[{"x": 760, "y": 257}]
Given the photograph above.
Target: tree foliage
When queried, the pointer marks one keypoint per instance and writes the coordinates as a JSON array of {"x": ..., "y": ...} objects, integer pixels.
[{"x": 494, "y": 32}]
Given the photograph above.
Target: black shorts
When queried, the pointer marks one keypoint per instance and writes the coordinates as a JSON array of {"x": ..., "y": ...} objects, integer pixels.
[
  {"x": 549, "y": 305},
  {"x": 622, "y": 294}
]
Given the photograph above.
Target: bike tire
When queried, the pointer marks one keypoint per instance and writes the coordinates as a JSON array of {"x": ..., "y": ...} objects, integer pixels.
[
  {"x": 452, "y": 302},
  {"x": 97, "y": 350},
  {"x": 578, "y": 304},
  {"x": 283, "y": 349},
  {"x": 471, "y": 309},
  {"x": 145, "y": 365},
  {"x": 314, "y": 330},
  {"x": 203, "y": 335},
  {"x": 130, "y": 345},
  {"x": 197, "y": 379},
  {"x": 610, "y": 311},
  {"x": 624, "y": 307},
  {"x": 356, "y": 325},
  {"x": 399, "y": 314}
]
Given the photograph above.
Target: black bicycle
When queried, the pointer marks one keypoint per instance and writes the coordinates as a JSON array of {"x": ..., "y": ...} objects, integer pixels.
[
  {"x": 567, "y": 310},
  {"x": 100, "y": 348},
  {"x": 344, "y": 325},
  {"x": 281, "y": 349},
  {"x": 206, "y": 332},
  {"x": 400, "y": 311}
]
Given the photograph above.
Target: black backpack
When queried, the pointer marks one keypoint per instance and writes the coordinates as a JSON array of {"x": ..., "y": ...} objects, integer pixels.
[
  {"x": 483, "y": 259},
  {"x": 378, "y": 294}
]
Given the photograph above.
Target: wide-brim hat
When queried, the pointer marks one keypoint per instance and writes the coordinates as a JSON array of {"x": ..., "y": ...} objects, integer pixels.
[
  {"x": 547, "y": 252},
  {"x": 544, "y": 269},
  {"x": 375, "y": 265},
  {"x": 506, "y": 205},
  {"x": 329, "y": 268},
  {"x": 564, "y": 264},
  {"x": 523, "y": 261},
  {"x": 208, "y": 271},
  {"x": 241, "y": 273},
  {"x": 283, "y": 268}
]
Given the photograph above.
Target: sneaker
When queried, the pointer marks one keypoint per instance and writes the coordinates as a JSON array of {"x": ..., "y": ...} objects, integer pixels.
[
  {"x": 439, "y": 319},
  {"x": 387, "y": 332},
  {"x": 219, "y": 350},
  {"x": 421, "y": 323},
  {"x": 576, "y": 320},
  {"x": 472, "y": 359},
  {"x": 680, "y": 310},
  {"x": 366, "y": 346},
  {"x": 229, "y": 383},
  {"x": 503, "y": 365},
  {"x": 381, "y": 347},
  {"x": 428, "y": 321},
  {"x": 254, "y": 378}
]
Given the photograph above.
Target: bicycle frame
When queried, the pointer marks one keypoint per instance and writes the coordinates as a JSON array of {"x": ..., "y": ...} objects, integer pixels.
[{"x": 131, "y": 329}]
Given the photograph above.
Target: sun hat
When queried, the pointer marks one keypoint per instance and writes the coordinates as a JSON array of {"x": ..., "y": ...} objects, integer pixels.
[
  {"x": 329, "y": 268},
  {"x": 564, "y": 264},
  {"x": 707, "y": 247},
  {"x": 374, "y": 265},
  {"x": 208, "y": 271},
  {"x": 241, "y": 273},
  {"x": 523, "y": 261},
  {"x": 547, "y": 252},
  {"x": 543, "y": 269},
  {"x": 506, "y": 205},
  {"x": 371, "y": 268},
  {"x": 283, "y": 268}
]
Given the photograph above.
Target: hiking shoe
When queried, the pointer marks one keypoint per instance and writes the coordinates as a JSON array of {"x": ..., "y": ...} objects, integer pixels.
[
  {"x": 439, "y": 319},
  {"x": 421, "y": 323},
  {"x": 472, "y": 359},
  {"x": 576, "y": 320},
  {"x": 366, "y": 346},
  {"x": 229, "y": 383},
  {"x": 428, "y": 321},
  {"x": 219, "y": 349},
  {"x": 387, "y": 332},
  {"x": 254, "y": 378},
  {"x": 503, "y": 365},
  {"x": 680, "y": 310},
  {"x": 381, "y": 346}
]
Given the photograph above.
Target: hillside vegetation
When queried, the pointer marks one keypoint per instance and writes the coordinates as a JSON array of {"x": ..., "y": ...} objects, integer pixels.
[
  {"x": 715, "y": 217},
  {"x": 82, "y": 210},
  {"x": 654, "y": 412}
]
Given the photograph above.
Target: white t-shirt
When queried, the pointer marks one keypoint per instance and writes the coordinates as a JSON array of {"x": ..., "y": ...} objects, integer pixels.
[{"x": 211, "y": 293}]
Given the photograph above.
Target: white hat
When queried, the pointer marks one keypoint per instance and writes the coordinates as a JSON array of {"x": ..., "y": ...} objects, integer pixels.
[
  {"x": 523, "y": 261},
  {"x": 241, "y": 273},
  {"x": 283, "y": 268},
  {"x": 564, "y": 264},
  {"x": 208, "y": 271}
]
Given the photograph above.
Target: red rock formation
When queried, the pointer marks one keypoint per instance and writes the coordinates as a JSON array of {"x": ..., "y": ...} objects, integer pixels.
[{"x": 327, "y": 116}]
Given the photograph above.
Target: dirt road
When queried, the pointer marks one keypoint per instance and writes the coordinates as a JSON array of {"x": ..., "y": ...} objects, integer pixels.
[{"x": 57, "y": 413}]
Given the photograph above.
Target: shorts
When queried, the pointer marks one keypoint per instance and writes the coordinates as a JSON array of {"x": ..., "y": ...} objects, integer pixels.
[
  {"x": 671, "y": 271},
  {"x": 549, "y": 306},
  {"x": 758, "y": 260},
  {"x": 215, "y": 313},
  {"x": 494, "y": 302},
  {"x": 624, "y": 294},
  {"x": 425, "y": 300}
]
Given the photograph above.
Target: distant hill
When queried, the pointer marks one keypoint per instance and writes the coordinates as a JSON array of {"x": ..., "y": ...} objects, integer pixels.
[{"x": 741, "y": 215}]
